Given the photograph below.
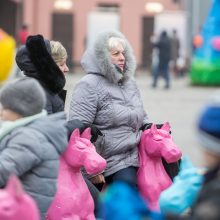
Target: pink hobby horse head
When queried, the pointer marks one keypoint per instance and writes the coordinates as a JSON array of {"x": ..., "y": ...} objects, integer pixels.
[
  {"x": 16, "y": 204},
  {"x": 73, "y": 199},
  {"x": 152, "y": 177}
]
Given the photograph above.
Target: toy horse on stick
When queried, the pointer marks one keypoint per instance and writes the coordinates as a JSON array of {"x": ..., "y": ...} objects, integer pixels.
[
  {"x": 152, "y": 177},
  {"x": 15, "y": 204},
  {"x": 73, "y": 199}
]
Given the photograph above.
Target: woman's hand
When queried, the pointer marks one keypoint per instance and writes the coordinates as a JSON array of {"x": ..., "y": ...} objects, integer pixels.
[{"x": 98, "y": 179}]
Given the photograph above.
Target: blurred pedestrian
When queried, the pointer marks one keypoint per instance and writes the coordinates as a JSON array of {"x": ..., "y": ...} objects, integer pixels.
[
  {"x": 22, "y": 35},
  {"x": 30, "y": 141},
  {"x": 155, "y": 55},
  {"x": 175, "y": 49},
  {"x": 164, "y": 50}
]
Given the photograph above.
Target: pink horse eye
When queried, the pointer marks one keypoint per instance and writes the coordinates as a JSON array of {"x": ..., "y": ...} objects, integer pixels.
[
  {"x": 157, "y": 137},
  {"x": 7, "y": 208}
]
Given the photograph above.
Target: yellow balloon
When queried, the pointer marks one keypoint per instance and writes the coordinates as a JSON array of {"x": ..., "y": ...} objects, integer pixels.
[{"x": 7, "y": 50}]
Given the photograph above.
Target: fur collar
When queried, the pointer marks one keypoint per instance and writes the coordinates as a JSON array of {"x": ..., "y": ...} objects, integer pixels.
[{"x": 97, "y": 59}]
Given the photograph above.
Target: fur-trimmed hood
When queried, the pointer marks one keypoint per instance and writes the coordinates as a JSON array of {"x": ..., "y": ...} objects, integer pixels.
[
  {"x": 36, "y": 61},
  {"x": 96, "y": 59}
]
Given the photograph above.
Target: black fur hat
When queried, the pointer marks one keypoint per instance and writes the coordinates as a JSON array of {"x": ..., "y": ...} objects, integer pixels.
[{"x": 36, "y": 61}]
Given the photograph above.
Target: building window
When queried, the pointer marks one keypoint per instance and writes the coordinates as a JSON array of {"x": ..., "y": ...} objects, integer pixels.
[{"x": 108, "y": 8}]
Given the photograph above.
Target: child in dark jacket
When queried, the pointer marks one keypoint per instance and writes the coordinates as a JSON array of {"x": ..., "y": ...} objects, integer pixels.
[
  {"x": 208, "y": 201},
  {"x": 30, "y": 141},
  {"x": 206, "y": 193}
]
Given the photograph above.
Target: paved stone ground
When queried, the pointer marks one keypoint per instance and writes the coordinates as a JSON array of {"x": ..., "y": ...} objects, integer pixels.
[{"x": 179, "y": 105}]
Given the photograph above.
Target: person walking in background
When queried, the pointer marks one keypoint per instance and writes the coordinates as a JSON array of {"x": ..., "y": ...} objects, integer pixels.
[
  {"x": 108, "y": 98},
  {"x": 30, "y": 141},
  {"x": 175, "y": 49},
  {"x": 21, "y": 38},
  {"x": 164, "y": 50},
  {"x": 22, "y": 35},
  {"x": 155, "y": 55}
]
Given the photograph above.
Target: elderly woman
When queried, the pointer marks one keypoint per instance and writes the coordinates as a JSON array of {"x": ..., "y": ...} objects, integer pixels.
[{"x": 108, "y": 98}]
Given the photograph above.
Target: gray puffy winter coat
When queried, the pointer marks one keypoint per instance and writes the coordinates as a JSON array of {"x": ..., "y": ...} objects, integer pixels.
[
  {"x": 110, "y": 101},
  {"x": 32, "y": 153}
]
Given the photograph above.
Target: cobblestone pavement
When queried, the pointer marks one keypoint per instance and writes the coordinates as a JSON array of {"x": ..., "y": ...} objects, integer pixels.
[{"x": 179, "y": 105}]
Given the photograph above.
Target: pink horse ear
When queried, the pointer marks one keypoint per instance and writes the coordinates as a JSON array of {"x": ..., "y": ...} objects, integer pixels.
[
  {"x": 75, "y": 134},
  {"x": 153, "y": 128},
  {"x": 14, "y": 187},
  {"x": 166, "y": 127},
  {"x": 86, "y": 134}
]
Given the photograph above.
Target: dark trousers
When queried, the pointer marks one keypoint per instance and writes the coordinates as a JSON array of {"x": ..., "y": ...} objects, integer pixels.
[
  {"x": 162, "y": 70},
  {"x": 128, "y": 175},
  {"x": 94, "y": 193}
]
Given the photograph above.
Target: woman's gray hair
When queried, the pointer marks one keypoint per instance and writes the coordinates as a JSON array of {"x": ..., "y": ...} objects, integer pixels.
[
  {"x": 58, "y": 51},
  {"x": 115, "y": 42}
]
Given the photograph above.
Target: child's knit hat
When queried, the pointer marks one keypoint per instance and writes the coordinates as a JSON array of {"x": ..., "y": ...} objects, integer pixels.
[
  {"x": 209, "y": 125},
  {"x": 24, "y": 96}
]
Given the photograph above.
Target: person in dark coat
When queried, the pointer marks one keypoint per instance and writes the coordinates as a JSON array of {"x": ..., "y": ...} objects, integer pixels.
[
  {"x": 175, "y": 51},
  {"x": 36, "y": 61},
  {"x": 164, "y": 56}
]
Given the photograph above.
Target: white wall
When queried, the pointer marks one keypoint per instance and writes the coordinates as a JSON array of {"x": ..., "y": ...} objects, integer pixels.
[
  {"x": 173, "y": 20},
  {"x": 97, "y": 21}
]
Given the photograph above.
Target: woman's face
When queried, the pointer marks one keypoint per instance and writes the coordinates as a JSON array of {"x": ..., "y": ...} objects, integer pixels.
[
  {"x": 8, "y": 115},
  {"x": 117, "y": 57},
  {"x": 63, "y": 67}
]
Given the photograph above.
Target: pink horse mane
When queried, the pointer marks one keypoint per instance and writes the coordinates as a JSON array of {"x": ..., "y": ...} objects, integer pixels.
[
  {"x": 73, "y": 199},
  {"x": 152, "y": 176}
]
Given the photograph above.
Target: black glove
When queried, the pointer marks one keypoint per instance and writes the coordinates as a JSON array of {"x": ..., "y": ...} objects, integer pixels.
[
  {"x": 172, "y": 169},
  {"x": 148, "y": 126},
  {"x": 95, "y": 132},
  {"x": 73, "y": 124}
]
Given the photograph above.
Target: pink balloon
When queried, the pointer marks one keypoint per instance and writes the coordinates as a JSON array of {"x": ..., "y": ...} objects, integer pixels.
[{"x": 216, "y": 43}]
